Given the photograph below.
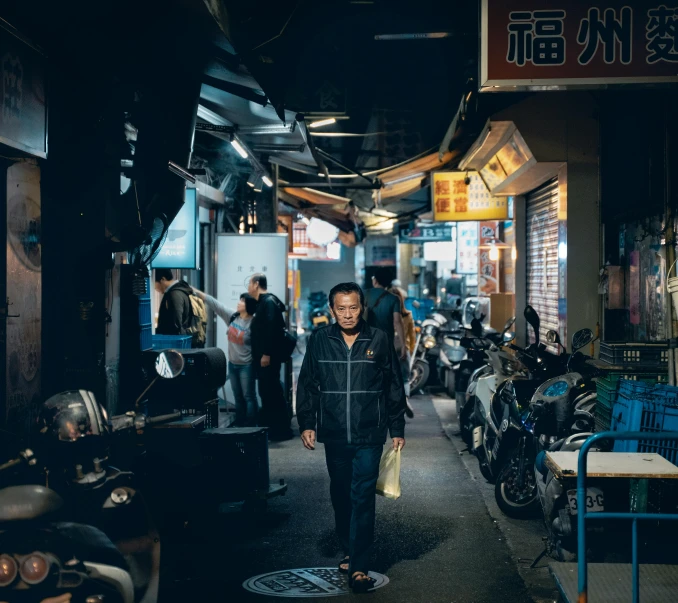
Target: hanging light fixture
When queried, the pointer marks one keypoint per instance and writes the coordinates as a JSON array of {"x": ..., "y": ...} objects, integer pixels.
[
  {"x": 321, "y": 233},
  {"x": 267, "y": 181},
  {"x": 259, "y": 184},
  {"x": 252, "y": 180}
]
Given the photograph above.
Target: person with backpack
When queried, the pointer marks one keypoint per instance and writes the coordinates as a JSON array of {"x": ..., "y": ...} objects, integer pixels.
[
  {"x": 180, "y": 312},
  {"x": 240, "y": 370},
  {"x": 383, "y": 310},
  {"x": 269, "y": 351}
]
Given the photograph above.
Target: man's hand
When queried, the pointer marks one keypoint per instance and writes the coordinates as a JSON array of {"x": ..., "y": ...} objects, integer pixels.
[
  {"x": 265, "y": 360},
  {"x": 398, "y": 443},
  {"x": 308, "y": 438}
]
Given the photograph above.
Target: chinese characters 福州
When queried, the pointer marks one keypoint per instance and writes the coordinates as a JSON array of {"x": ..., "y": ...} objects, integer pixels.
[{"x": 536, "y": 37}]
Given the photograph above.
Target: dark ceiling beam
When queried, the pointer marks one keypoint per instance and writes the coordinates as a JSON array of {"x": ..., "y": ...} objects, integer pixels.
[
  {"x": 311, "y": 147},
  {"x": 373, "y": 186},
  {"x": 236, "y": 90},
  {"x": 342, "y": 166}
]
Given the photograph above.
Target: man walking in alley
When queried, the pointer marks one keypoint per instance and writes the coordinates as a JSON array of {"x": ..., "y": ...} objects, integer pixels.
[
  {"x": 267, "y": 333},
  {"x": 350, "y": 392},
  {"x": 174, "y": 313}
]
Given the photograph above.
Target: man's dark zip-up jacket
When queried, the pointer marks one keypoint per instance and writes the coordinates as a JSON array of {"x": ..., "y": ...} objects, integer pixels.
[{"x": 351, "y": 395}]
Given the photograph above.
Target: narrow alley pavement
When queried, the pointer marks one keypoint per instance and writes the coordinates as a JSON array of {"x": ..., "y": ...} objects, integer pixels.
[{"x": 437, "y": 544}]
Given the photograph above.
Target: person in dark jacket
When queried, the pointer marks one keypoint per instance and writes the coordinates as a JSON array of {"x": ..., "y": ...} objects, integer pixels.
[
  {"x": 267, "y": 331},
  {"x": 175, "y": 313},
  {"x": 350, "y": 393}
]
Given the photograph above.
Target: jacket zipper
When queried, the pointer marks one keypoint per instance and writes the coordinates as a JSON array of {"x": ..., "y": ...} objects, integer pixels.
[{"x": 348, "y": 393}]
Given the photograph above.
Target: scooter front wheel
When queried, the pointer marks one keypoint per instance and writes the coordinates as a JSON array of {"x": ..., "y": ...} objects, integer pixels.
[
  {"x": 418, "y": 375},
  {"x": 517, "y": 498}
]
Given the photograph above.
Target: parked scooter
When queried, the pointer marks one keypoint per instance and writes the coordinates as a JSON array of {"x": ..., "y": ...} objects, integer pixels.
[
  {"x": 434, "y": 333},
  {"x": 502, "y": 398},
  {"x": 561, "y": 406},
  {"x": 318, "y": 310},
  {"x": 112, "y": 553},
  {"x": 467, "y": 372}
]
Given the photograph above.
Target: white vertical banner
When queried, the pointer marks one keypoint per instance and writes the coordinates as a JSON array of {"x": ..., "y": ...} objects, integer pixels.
[{"x": 241, "y": 256}]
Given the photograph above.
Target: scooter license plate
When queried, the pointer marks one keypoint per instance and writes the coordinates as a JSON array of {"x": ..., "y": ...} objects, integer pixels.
[{"x": 594, "y": 500}]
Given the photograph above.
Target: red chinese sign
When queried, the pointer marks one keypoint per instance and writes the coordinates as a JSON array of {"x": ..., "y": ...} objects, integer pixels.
[{"x": 528, "y": 43}]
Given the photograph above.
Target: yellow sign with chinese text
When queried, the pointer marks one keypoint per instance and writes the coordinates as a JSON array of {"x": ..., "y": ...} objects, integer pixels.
[{"x": 456, "y": 201}]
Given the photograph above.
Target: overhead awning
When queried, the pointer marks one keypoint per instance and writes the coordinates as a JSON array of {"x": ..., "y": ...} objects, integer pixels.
[
  {"x": 413, "y": 176},
  {"x": 506, "y": 164},
  {"x": 341, "y": 218},
  {"x": 315, "y": 196}
]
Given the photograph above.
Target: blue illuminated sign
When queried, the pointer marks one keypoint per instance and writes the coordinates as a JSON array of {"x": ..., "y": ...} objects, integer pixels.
[{"x": 180, "y": 249}]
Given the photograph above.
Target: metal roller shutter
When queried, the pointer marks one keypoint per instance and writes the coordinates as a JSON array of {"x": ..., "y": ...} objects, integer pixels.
[{"x": 542, "y": 255}]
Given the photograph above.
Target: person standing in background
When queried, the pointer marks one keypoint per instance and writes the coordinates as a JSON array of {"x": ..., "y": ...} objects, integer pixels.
[
  {"x": 268, "y": 331},
  {"x": 240, "y": 370},
  {"x": 175, "y": 313},
  {"x": 410, "y": 344},
  {"x": 383, "y": 308}
]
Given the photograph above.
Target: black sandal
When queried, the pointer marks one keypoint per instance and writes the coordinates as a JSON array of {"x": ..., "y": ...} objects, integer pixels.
[
  {"x": 361, "y": 586},
  {"x": 344, "y": 561}
]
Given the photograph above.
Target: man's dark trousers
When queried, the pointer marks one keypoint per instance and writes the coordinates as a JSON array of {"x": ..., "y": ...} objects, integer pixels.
[
  {"x": 274, "y": 413},
  {"x": 353, "y": 482}
]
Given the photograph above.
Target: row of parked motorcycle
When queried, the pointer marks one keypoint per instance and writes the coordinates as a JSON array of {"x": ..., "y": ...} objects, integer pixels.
[
  {"x": 73, "y": 526},
  {"x": 514, "y": 404}
]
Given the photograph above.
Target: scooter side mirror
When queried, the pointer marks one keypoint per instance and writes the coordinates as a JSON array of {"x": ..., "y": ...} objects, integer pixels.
[
  {"x": 581, "y": 338},
  {"x": 532, "y": 319},
  {"x": 508, "y": 336},
  {"x": 169, "y": 364},
  {"x": 552, "y": 337},
  {"x": 509, "y": 323}
]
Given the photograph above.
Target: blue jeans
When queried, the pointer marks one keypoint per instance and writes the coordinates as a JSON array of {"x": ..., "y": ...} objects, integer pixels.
[
  {"x": 242, "y": 383},
  {"x": 353, "y": 486}
]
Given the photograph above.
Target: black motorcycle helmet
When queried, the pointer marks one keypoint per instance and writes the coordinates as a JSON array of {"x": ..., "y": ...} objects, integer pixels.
[{"x": 75, "y": 435}]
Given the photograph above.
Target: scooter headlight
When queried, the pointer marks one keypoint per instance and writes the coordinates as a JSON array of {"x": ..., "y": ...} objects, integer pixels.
[
  {"x": 8, "y": 570},
  {"x": 429, "y": 342}
]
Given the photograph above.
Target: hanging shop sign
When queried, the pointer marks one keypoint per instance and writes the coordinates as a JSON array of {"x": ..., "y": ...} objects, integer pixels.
[
  {"x": 380, "y": 251},
  {"x": 426, "y": 233},
  {"x": 180, "y": 249},
  {"x": 560, "y": 43},
  {"x": 467, "y": 248},
  {"x": 463, "y": 196},
  {"x": 488, "y": 268},
  {"x": 23, "y": 114}
]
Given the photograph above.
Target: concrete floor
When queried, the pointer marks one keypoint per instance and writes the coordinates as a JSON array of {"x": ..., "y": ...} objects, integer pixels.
[{"x": 438, "y": 543}]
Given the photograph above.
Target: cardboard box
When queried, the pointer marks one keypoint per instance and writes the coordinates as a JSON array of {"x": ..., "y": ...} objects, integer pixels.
[{"x": 502, "y": 307}]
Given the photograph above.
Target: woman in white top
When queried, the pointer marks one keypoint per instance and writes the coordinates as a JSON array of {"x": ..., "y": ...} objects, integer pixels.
[{"x": 240, "y": 370}]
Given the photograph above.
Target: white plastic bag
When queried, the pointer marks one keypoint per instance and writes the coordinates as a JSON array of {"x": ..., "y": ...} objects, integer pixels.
[{"x": 388, "y": 483}]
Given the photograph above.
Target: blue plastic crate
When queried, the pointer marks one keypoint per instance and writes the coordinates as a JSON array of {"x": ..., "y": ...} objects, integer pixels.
[
  {"x": 425, "y": 307},
  {"x": 650, "y": 415},
  {"x": 144, "y": 310},
  {"x": 633, "y": 390},
  {"x": 176, "y": 342},
  {"x": 145, "y": 336}
]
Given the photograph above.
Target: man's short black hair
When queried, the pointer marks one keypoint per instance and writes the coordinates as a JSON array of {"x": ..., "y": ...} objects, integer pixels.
[
  {"x": 250, "y": 303},
  {"x": 383, "y": 276},
  {"x": 163, "y": 273},
  {"x": 261, "y": 280},
  {"x": 346, "y": 289}
]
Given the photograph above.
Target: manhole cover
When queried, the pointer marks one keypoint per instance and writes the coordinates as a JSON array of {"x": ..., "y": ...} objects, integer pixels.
[{"x": 307, "y": 582}]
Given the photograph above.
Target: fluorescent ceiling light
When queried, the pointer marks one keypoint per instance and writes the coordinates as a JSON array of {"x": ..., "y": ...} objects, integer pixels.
[
  {"x": 323, "y": 122},
  {"x": 238, "y": 147},
  {"x": 268, "y": 128},
  {"x": 212, "y": 117},
  {"x": 267, "y": 181}
]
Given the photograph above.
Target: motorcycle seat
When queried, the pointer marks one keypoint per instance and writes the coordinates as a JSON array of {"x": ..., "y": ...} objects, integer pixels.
[
  {"x": 25, "y": 503},
  {"x": 91, "y": 544}
]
